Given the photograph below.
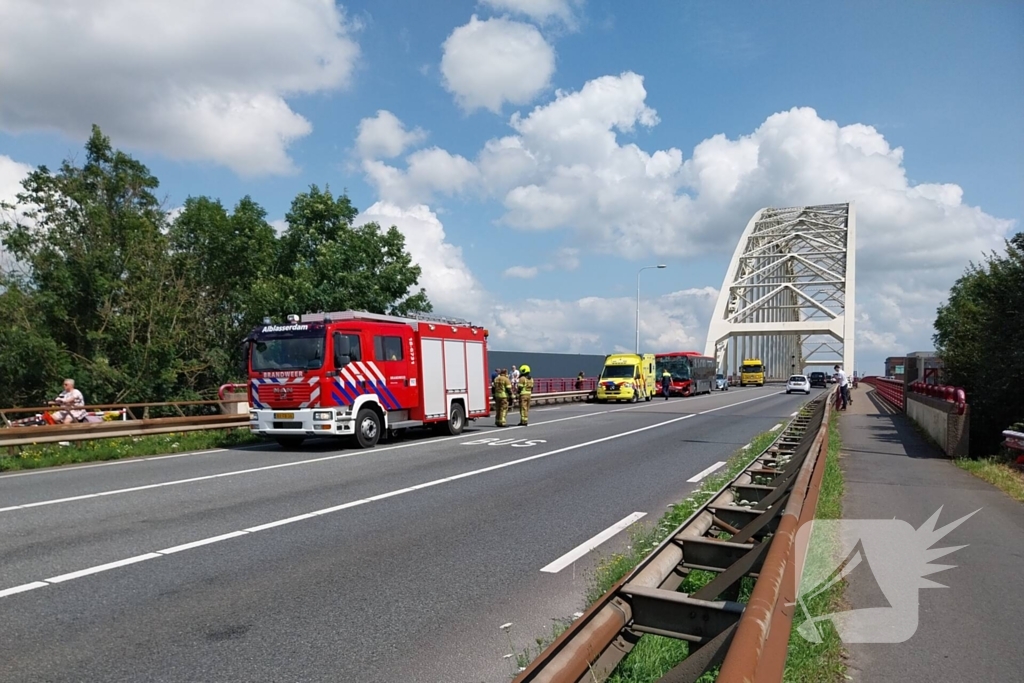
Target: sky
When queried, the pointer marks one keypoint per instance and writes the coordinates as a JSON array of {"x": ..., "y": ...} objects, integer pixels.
[{"x": 537, "y": 153}]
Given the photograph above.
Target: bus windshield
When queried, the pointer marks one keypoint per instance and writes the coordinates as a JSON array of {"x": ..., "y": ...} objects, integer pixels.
[
  {"x": 618, "y": 372},
  {"x": 288, "y": 351},
  {"x": 678, "y": 367}
]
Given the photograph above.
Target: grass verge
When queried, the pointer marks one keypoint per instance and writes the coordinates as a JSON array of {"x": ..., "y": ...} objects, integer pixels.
[
  {"x": 997, "y": 472},
  {"x": 50, "y": 455},
  {"x": 808, "y": 662},
  {"x": 654, "y": 656}
]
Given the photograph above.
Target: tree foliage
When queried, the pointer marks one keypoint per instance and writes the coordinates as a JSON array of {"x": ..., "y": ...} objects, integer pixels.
[
  {"x": 980, "y": 336},
  {"x": 100, "y": 283}
]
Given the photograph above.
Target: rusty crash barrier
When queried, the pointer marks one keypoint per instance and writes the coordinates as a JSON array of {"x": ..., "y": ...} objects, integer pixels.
[
  {"x": 760, "y": 509},
  {"x": 22, "y": 436}
]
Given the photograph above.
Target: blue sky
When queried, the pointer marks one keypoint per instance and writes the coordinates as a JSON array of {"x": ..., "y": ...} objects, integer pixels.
[{"x": 943, "y": 81}]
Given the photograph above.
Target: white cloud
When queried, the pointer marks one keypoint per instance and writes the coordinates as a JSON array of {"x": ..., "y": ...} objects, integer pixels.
[
  {"x": 591, "y": 324},
  {"x": 11, "y": 175},
  {"x": 541, "y": 11},
  {"x": 428, "y": 172},
  {"x": 449, "y": 284},
  {"x": 524, "y": 272},
  {"x": 384, "y": 136},
  {"x": 490, "y": 62},
  {"x": 193, "y": 80},
  {"x": 567, "y": 167}
]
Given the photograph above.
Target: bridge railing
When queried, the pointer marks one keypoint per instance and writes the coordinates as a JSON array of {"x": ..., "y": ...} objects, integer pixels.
[{"x": 889, "y": 389}]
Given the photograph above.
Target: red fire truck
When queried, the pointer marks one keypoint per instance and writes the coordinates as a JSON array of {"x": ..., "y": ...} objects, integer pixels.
[{"x": 362, "y": 375}]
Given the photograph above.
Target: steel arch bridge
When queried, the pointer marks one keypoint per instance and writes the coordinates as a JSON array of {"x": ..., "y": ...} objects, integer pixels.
[{"x": 788, "y": 295}]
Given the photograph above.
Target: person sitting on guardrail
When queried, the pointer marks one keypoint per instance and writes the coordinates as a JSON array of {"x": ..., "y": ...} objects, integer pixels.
[{"x": 70, "y": 399}]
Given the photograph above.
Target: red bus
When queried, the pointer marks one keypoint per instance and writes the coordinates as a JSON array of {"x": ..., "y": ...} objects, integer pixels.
[{"x": 691, "y": 372}]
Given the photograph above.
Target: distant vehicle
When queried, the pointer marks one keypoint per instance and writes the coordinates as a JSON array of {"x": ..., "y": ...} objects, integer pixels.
[
  {"x": 752, "y": 372},
  {"x": 721, "y": 383},
  {"x": 798, "y": 383},
  {"x": 626, "y": 377},
  {"x": 691, "y": 372},
  {"x": 818, "y": 379}
]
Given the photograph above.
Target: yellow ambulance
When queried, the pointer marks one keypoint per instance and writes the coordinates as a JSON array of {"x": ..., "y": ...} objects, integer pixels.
[{"x": 627, "y": 377}]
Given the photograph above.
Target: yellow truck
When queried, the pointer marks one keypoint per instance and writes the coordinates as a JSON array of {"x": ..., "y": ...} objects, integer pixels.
[
  {"x": 627, "y": 377},
  {"x": 752, "y": 372}
]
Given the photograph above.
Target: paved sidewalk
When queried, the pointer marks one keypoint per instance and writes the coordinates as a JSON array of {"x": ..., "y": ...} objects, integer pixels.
[{"x": 972, "y": 630}]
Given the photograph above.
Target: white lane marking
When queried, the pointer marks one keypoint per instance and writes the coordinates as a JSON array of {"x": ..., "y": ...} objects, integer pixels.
[
  {"x": 101, "y": 568},
  {"x": 260, "y": 447},
  {"x": 794, "y": 414},
  {"x": 591, "y": 543},
  {"x": 196, "y": 544},
  {"x": 749, "y": 400},
  {"x": 336, "y": 456},
  {"x": 123, "y": 461},
  {"x": 22, "y": 588},
  {"x": 703, "y": 473},
  {"x": 776, "y": 427},
  {"x": 356, "y": 503},
  {"x": 748, "y": 445}
]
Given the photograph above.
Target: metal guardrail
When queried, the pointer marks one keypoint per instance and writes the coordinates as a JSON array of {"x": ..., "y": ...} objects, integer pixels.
[
  {"x": 759, "y": 510},
  {"x": 23, "y": 436}
]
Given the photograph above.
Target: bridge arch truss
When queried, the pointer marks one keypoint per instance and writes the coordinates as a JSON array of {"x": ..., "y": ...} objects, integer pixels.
[{"x": 788, "y": 295}]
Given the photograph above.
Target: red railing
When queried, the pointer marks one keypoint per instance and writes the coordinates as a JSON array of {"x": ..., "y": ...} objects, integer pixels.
[
  {"x": 552, "y": 385},
  {"x": 944, "y": 392},
  {"x": 889, "y": 389}
]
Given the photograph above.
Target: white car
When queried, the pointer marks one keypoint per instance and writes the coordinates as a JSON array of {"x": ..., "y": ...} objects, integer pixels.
[{"x": 798, "y": 383}]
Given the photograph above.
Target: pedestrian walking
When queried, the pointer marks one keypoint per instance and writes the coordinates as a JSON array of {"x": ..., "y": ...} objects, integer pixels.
[
  {"x": 501, "y": 388},
  {"x": 525, "y": 390},
  {"x": 666, "y": 383}
]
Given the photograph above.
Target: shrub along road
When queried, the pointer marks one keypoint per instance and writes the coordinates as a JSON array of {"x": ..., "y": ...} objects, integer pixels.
[{"x": 398, "y": 563}]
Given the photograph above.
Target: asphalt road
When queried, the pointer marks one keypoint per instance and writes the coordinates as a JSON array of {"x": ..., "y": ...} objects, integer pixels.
[{"x": 395, "y": 564}]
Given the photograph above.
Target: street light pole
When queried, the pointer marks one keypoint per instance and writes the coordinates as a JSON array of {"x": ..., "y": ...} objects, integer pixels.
[{"x": 662, "y": 265}]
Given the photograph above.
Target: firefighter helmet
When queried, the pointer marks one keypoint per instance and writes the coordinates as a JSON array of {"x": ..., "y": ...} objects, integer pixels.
[{"x": 524, "y": 369}]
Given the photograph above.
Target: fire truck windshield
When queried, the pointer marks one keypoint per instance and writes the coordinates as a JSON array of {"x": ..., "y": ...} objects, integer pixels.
[{"x": 288, "y": 351}]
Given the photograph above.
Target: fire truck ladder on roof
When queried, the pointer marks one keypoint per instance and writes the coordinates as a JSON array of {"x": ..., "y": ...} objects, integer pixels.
[
  {"x": 363, "y": 315},
  {"x": 788, "y": 295}
]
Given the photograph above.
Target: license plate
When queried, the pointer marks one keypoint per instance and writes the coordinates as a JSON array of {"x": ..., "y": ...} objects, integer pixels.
[{"x": 284, "y": 416}]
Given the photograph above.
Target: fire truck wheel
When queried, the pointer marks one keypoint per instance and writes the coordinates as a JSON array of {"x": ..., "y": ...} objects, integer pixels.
[
  {"x": 290, "y": 441},
  {"x": 367, "y": 428},
  {"x": 457, "y": 420}
]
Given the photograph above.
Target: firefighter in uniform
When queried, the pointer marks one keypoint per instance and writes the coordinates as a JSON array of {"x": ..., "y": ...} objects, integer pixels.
[
  {"x": 501, "y": 390},
  {"x": 525, "y": 389}
]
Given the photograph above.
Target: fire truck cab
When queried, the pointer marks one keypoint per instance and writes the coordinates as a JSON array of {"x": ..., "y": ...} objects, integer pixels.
[{"x": 363, "y": 375}]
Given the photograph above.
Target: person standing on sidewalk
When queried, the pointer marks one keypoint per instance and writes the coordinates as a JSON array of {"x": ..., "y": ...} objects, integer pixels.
[
  {"x": 843, "y": 387},
  {"x": 525, "y": 390}
]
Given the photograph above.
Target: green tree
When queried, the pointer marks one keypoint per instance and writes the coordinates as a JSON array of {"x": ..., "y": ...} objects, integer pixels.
[
  {"x": 227, "y": 259},
  {"x": 980, "y": 336},
  {"x": 97, "y": 283},
  {"x": 98, "y": 279},
  {"x": 326, "y": 264}
]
